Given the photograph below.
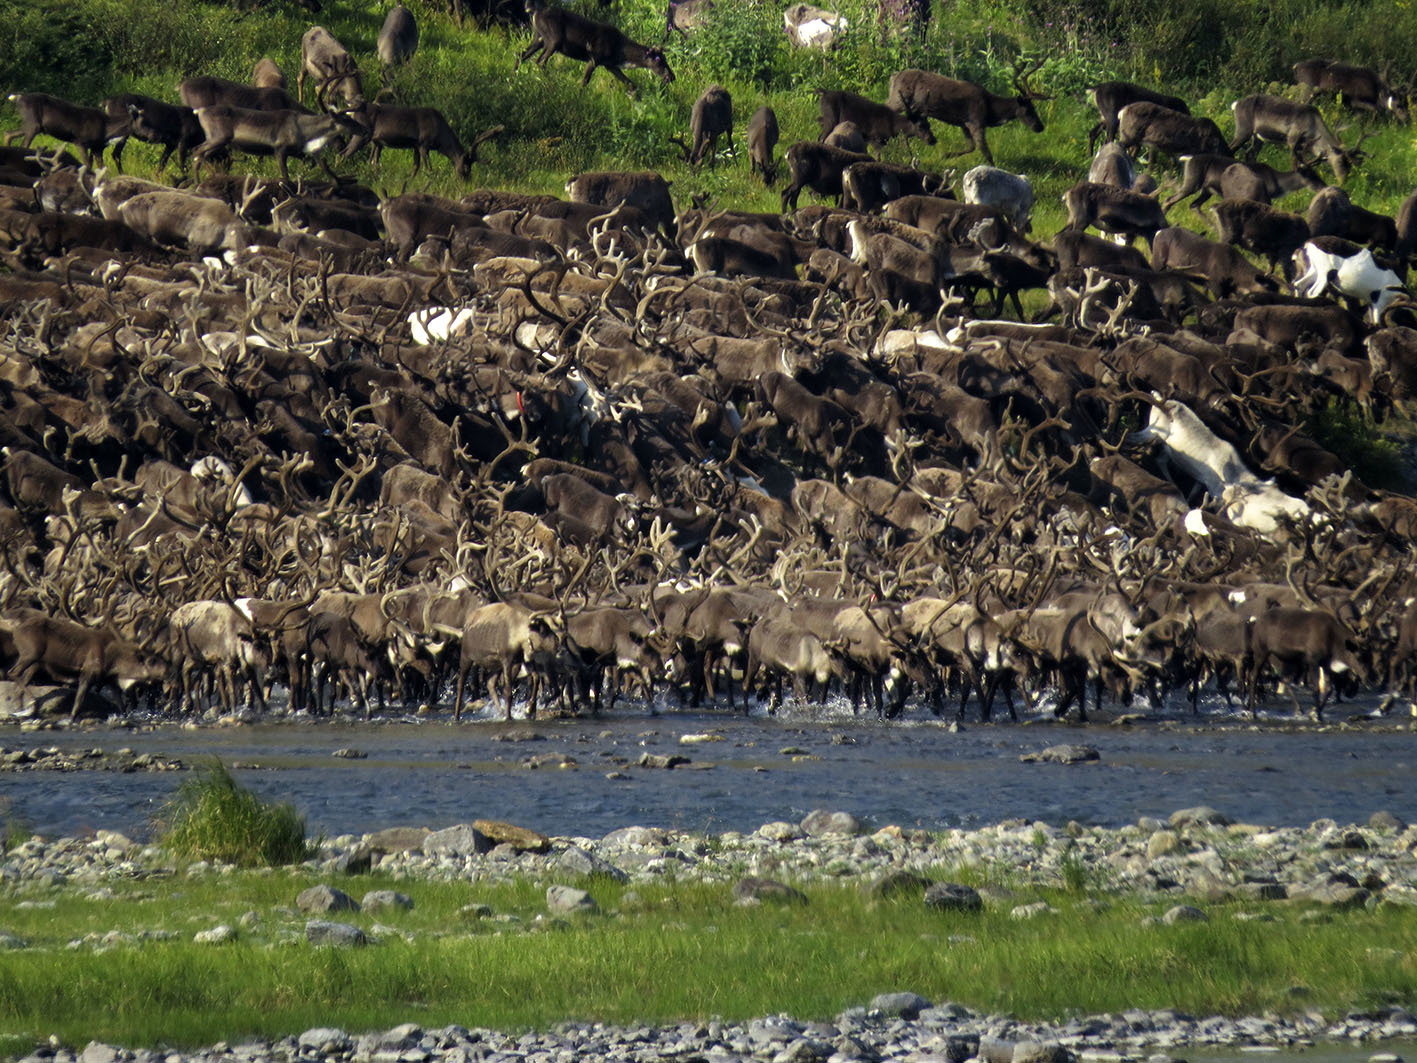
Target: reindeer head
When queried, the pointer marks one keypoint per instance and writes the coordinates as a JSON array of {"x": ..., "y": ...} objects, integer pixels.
[{"x": 655, "y": 61}]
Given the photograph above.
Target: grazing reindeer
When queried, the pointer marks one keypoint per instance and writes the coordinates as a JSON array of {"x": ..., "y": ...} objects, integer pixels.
[
  {"x": 1279, "y": 121},
  {"x": 1208, "y": 174},
  {"x": 1359, "y": 87},
  {"x": 762, "y": 139},
  {"x": 554, "y": 29},
  {"x": 920, "y": 94},
  {"x": 330, "y": 65},
  {"x": 398, "y": 39},
  {"x": 423, "y": 129},
  {"x": 712, "y": 116}
]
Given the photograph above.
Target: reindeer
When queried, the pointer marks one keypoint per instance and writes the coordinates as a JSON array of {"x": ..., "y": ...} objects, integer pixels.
[
  {"x": 421, "y": 129},
  {"x": 555, "y": 29},
  {"x": 762, "y": 139},
  {"x": 1109, "y": 97},
  {"x": 398, "y": 38},
  {"x": 1170, "y": 131},
  {"x": 331, "y": 67},
  {"x": 1273, "y": 119},
  {"x": 920, "y": 95},
  {"x": 1113, "y": 210},
  {"x": 1359, "y": 87},
  {"x": 88, "y": 127},
  {"x": 877, "y": 122},
  {"x": 1207, "y": 174},
  {"x": 711, "y": 117}
]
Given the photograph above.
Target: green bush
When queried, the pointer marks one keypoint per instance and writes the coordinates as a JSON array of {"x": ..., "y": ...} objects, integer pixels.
[
  {"x": 743, "y": 41},
  {"x": 212, "y": 817}
]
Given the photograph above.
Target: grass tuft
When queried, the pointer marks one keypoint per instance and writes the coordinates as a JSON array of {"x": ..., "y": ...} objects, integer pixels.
[{"x": 213, "y": 817}]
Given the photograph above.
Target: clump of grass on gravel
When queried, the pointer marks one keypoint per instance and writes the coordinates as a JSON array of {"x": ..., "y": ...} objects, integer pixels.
[{"x": 213, "y": 817}]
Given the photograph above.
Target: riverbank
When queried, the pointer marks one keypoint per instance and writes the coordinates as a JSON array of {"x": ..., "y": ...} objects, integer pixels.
[{"x": 1161, "y": 935}]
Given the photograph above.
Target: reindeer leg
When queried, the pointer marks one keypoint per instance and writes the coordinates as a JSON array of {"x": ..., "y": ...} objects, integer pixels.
[
  {"x": 458, "y": 699},
  {"x": 629, "y": 85},
  {"x": 79, "y": 694}
]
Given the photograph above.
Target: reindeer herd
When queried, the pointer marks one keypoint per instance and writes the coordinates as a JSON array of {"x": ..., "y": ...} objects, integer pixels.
[{"x": 264, "y": 435}]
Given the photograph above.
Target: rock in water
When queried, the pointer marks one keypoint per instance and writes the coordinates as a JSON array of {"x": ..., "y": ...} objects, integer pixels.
[{"x": 1064, "y": 754}]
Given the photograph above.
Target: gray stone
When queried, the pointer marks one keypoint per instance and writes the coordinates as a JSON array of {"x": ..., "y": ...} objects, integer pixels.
[
  {"x": 1039, "y": 1052},
  {"x": 579, "y": 862},
  {"x": 326, "y": 1040},
  {"x": 755, "y": 890},
  {"x": 821, "y": 822},
  {"x": 397, "y": 839},
  {"x": 9, "y": 941},
  {"x": 900, "y": 1005},
  {"x": 358, "y": 861},
  {"x": 644, "y": 837},
  {"x": 899, "y": 883},
  {"x": 779, "y": 831},
  {"x": 1201, "y": 815},
  {"x": 523, "y": 839},
  {"x": 341, "y": 935},
  {"x": 1184, "y": 913},
  {"x": 324, "y": 898},
  {"x": 1162, "y": 843},
  {"x": 565, "y": 899},
  {"x": 1262, "y": 891},
  {"x": 376, "y": 899},
  {"x": 953, "y": 897},
  {"x": 803, "y": 1050},
  {"x": 1063, "y": 754},
  {"x": 98, "y": 1052},
  {"x": 463, "y": 839},
  {"x": 564, "y": 761},
  {"x": 661, "y": 760},
  {"x": 1032, "y": 911},
  {"x": 217, "y": 935},
  {"x": 1385, "y": 820},
  {"x": 1334, "y": 895}
]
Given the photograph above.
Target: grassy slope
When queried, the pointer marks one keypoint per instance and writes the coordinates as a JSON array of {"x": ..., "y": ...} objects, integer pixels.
[
  {"x": 675, "y": 952},
  {"x": 84, "y": 49}
]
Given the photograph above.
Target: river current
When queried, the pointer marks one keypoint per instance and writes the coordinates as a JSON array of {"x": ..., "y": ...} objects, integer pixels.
[{"x": 588, "y": 780}]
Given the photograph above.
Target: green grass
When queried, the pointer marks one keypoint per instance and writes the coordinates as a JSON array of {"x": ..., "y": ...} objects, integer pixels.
[
  {"x": 212, "y": 817},
  {"x": 85, "y": 49},
  {"x": 671, "y": 952}
]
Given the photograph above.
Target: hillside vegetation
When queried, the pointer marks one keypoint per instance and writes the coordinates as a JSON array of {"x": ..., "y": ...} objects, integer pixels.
[{"x": 1211, "y": 51}]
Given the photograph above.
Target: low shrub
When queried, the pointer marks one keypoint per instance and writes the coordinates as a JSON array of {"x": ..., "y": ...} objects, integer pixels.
[{"x": 213, "y": 817}]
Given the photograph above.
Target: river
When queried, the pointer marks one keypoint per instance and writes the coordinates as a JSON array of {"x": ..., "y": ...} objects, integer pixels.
[{"x": 916, "y": 773}]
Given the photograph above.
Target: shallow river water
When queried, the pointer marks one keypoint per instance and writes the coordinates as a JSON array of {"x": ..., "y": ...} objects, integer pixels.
[{"x": 912, "y": 773}]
